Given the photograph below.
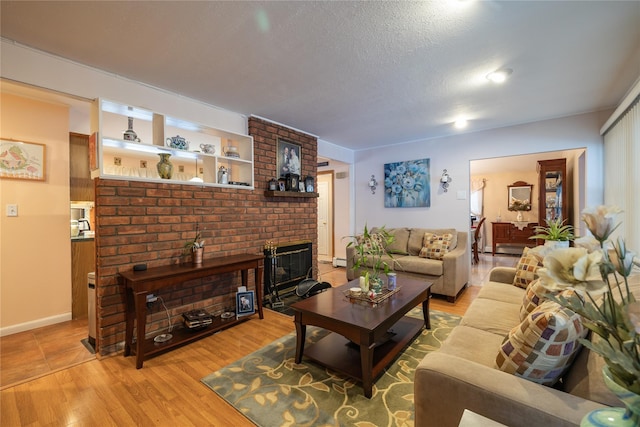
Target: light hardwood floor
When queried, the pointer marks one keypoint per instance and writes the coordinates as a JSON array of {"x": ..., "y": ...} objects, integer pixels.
[{"x": 167, "y": 391}]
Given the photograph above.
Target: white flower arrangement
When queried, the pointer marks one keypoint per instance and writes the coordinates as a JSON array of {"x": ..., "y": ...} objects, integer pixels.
[{"x": 603, "y": 298}]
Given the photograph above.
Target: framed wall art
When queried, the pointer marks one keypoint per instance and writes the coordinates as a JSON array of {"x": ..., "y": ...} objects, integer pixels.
[
  {"x": 22, "y": 160},
  {"x": 406, "y": 184},
  {"x": 289, "y": 158},
  {"x": 245, "y": 303}
]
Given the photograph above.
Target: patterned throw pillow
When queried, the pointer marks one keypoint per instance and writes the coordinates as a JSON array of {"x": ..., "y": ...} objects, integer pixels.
[
  {"x": 375, "y": 241},
  {"x": 533, "y": 297},
  {"x": 543, "y": 346},
  {"x": 526, "y": 268},
  {"x": 536, "y": 294},
  {"x": 435, "y": 246}
]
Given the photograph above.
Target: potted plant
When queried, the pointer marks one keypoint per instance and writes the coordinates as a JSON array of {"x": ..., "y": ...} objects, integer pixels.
[
  {"x": 195, "y": 247},
  {"x": 370, "y": 249},
  {"x": 555, "y": 231}
]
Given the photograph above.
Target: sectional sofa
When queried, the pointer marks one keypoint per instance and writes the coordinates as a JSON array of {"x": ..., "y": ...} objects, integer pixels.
[{"x": 463, "y": 373}]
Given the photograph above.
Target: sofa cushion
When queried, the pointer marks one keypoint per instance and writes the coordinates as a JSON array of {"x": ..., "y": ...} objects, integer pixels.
[
  {"x": 472, "y": 344},
  {"x": 526, "y": 268},
  {"x": 435, "y": 246},
  {"x": 400, "y": 241},
  {"x": 414, "y": 264},
  {"x": 416, "y": 238},
  {"x": 543, "y": 346},
  {"x": 497, "y": 317},
  {"x": 501, "y": 292}
]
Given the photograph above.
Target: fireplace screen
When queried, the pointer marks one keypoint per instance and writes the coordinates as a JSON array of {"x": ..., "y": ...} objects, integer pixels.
[{"x": 285, "y": 266}]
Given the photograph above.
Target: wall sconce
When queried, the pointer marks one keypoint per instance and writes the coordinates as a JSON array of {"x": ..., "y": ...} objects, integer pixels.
[
  {"x": 445, "y": 179},
  {"x": 373, "y": 184}
]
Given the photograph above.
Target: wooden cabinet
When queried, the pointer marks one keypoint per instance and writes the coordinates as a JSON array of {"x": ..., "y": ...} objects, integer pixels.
[
  {"x": 83, "y": 262},
  {"x": 509, "y": 233},
  {"x": 80, "y": 182},
  {"x": 127, "y": 141},
  {"x": 553, "y": 190}
]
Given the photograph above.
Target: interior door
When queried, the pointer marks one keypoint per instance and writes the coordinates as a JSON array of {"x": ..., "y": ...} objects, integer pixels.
[{"x": 325, "y": 227}]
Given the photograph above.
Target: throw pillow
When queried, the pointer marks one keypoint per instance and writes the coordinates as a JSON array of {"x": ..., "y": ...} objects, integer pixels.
[
  {"x": 526, "y": 268},
  {"x": 543, "y": 346},
  {"x": 435, "y": 246},
  {"x": 374, "y": 242},
  {"x": 534, "y": 295}
]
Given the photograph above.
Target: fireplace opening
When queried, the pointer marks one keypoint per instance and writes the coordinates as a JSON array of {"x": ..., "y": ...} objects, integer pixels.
[{"x": 286, "y": 265}]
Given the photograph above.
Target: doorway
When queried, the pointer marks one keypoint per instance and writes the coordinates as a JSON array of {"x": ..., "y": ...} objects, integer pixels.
[{"x": 325, "y": 216}]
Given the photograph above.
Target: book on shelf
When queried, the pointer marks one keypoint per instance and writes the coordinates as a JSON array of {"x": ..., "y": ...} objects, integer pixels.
[
  {"x": 195, "y": 315},
  {"x": 197, "y": 323},
  {"x": 197, "y": 318}
]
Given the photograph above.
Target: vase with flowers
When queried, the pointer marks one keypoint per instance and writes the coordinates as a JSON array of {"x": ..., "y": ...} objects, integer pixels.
[
  {"x": 599, "y": 272},
  {"x": 371, "y": 255},
  {"x": 195, "y": 247}
]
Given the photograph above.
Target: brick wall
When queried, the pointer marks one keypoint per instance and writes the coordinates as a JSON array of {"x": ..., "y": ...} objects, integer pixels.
[{"x": 143, "y": 222}]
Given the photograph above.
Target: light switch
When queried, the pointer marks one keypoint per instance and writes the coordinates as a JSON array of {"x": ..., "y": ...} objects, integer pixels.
[
  {"x": 12, "y": 210},
  {"x": 462, "y": 194}
]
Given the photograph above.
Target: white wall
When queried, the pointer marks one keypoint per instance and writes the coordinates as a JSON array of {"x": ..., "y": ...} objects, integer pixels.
[
  {"x": 454, "y": 154},
  {"x": 37, "y": 68}
]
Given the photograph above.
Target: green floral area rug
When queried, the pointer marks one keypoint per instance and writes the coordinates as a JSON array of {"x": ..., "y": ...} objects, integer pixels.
[{"x": 270, "y": 389}]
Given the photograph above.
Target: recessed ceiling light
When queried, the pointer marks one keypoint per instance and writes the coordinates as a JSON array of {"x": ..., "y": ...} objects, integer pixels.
[
  {"x": 499, "y": 76},
  {"x": 460, "y": 123}
]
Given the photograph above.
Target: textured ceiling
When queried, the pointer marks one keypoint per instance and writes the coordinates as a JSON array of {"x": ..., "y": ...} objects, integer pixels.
[{"x": 357, "y": 74}]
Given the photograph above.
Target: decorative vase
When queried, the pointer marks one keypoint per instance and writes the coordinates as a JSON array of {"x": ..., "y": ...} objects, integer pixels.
[
  {"x": 196, "y": 256},
  {"x": 375, "y": 284},
  {"x": 618, "y": 417},
  {"x": 519, "y": 216},
  {"x": 556, "y": 244},
  {"x": 130, "y": 134},
  {"x": 165, "y": 168}
]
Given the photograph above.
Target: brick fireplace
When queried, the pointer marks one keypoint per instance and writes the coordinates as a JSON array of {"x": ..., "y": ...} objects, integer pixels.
[{"x": 144, "y": 222}]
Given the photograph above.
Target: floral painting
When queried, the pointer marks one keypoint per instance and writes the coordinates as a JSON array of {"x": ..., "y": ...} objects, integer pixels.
[{"x": 406, "y": 184}]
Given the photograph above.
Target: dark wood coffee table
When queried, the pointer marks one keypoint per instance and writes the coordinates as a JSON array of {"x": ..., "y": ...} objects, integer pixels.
[{"x": 379, "y": 332}]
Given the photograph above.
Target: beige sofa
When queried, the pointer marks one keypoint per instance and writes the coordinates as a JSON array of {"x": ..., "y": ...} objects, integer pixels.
[
  {"x": 462, "y": 374},
  {"x": 449, "y": 275}
]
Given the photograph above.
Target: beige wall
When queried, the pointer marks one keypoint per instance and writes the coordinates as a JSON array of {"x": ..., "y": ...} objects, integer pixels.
[{"x": 35, "y": 248}]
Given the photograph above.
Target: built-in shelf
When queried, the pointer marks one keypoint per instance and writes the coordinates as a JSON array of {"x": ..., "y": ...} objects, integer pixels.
[
  {"x": 293, "y": 194},
  {"x": 198, "y": 154}
]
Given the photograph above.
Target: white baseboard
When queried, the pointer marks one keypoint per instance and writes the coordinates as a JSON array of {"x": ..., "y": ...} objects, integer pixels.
[
  {"x": 339, "y": 262},
  {"x": 33, "y": 324}
]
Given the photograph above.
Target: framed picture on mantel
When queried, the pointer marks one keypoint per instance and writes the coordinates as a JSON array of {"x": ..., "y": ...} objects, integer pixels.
[{"x": 289, "y": 158}]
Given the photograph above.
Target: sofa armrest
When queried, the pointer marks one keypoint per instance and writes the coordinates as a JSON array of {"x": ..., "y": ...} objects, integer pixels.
[
  {"x": 446, "y": 385},
  {"x": 455, "y": 268},
  {"x": 502, "y": 274},
  {"x": 350, "y": 253}
]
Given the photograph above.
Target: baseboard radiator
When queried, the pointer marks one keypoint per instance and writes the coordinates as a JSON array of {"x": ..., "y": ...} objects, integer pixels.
[{"x": 339, "y": 262}]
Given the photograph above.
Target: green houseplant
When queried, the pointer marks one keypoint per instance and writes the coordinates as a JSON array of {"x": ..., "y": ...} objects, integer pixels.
[
  {"x": 195, "y": 247},
  {"x": 556, "y": 230},
  {"x": 370, "y": 249}
]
